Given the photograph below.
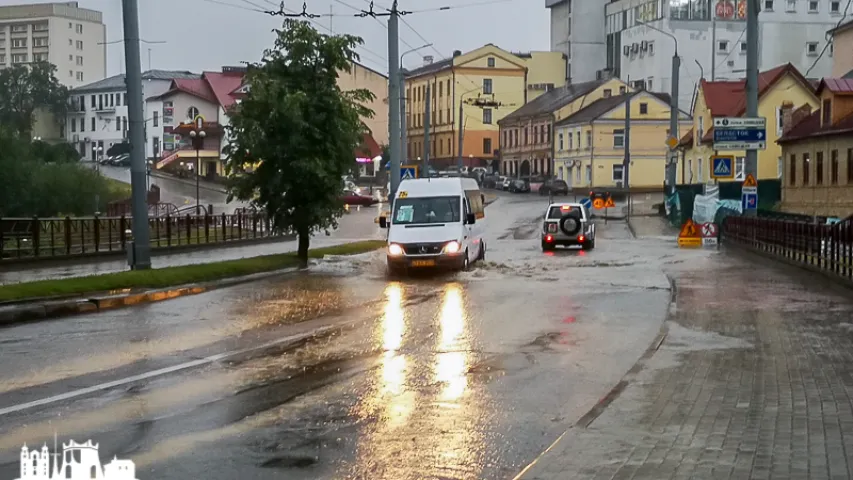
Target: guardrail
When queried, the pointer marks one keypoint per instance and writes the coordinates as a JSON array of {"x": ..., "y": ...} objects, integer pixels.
[
  {"x": 828, "y": 248},
  {"x": 22, "y": 238}
]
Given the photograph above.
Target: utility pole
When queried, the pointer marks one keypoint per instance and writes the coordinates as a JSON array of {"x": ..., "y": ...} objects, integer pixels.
[
  {"x": 751, "y": 166},
  {"x": 673, "y": 122},
  {"x": 427, "y": 122},
  {"x": 461, "y": 134},
  {"x": 394, "y": 96},
  {"x": 713, "y": 46},
  {"x": 404, "y": 124},
  {"x": 140, "y": 254},
  {"x": 626, "y": 162}
]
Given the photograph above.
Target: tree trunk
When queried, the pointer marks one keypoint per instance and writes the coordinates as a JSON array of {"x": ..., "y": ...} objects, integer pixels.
[{"x": 302, "y": 250}]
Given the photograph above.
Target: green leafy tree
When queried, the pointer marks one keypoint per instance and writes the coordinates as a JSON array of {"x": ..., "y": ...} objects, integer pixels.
[
  {"x": 302, "y": 129},
  {"x": 27, "y": 88}
]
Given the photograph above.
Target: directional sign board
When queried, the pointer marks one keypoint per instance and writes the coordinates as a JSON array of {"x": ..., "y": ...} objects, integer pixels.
[
  {"x": 586, "y": 203},
  {"x": 408, "y": 172},
  {"x": 690, "y": 237},
  {"x": 722, "y": 166},
  {"x": 732, "y": 133}
]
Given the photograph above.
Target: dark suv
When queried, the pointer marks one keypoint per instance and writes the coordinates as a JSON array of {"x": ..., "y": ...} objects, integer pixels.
[
  {"x": 554, "y": 186},
  {"x": 519, "y": 185}
]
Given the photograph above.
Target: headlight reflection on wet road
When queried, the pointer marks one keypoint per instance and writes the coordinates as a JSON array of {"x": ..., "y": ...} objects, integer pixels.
[
  {"x": 452, "y": 361},
  {"x": 398, "y": 402}
]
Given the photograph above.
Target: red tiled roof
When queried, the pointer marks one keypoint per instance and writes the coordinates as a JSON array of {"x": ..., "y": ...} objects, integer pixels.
[
  {"x": 222, "y": 85},
  {"x": 368, "y": 147},
  {"x": 197, "y": 87},
  {"x": 728, "y": 98},
  {"x": 836, "y": 85},
  {"x": 810, "y": 127}
]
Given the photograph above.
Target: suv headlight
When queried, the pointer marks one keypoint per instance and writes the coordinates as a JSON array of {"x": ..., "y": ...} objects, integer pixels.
[
  {"x": 395, "y": 250},
  {"x": 452, "y": 247}
]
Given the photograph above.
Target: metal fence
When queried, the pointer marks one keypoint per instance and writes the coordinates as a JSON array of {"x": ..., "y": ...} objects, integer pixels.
[
  {"x": 824, "y": 247},
  {"x": 62, "y": 237}
]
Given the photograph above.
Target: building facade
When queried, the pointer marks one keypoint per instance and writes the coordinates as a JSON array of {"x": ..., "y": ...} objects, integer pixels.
[
  {"x": 377, "y": 83},
  {"x": 97, "y": 117},
  {"x": 71, "y": 38},
  {"x": 817, "y": 149},
  {"x": 728, "y": 99},
  {"x": 712, "y": 41},
  {"x": 842, "y": 55},
  {"x": 576, "y": 31},
  {"x": 469, "y": 93},
  {"x": 592, "y": 142}
]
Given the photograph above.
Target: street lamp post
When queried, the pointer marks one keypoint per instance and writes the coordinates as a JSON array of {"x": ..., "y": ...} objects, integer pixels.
[
  {"x": 197, "y": 135},
  {"x": 404, "y": 146},
  {"x": 99, "y": 156},
  {"x": 148, "y": 181},
  {"x": 673, "y": 114}
]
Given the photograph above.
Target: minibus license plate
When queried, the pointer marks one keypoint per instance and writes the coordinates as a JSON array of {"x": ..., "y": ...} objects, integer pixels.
[{"x": 423, "y": 263}]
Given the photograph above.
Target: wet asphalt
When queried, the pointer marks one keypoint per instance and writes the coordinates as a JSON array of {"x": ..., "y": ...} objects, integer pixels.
[{"x": 341, "y": 372}]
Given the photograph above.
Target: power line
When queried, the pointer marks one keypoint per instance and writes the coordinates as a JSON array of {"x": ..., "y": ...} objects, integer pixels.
[
  {"x": 464, "y": 5},
  {"x": 241, "y": 7},
  {"x": 829, "y": 39},
  {"x": 436, "y": 50}
]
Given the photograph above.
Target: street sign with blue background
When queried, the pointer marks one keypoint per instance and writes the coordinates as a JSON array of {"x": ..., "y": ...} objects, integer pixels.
[
  {"x": 722, "y": 167},
  {"x": 586, "y": 203},
  {"x": 408, "y": 172},
  {"x": 749, "y": 201},
  {"x": 732, "y": 133}
]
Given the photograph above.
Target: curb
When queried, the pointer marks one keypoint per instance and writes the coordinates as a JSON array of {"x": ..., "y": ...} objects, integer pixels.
[
  {"x": 631, "y": 227},
  {"x": 40, "y": 310},
  {"x": 586, "y": 420},
  {"x": 188, "y": 182}
]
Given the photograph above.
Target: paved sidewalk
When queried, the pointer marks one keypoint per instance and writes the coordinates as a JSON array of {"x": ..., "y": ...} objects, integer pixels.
[
  {"x": 652, "y": 227},
  {"x": 754, "y": 380},
  {"x": 356, "y": 226}
]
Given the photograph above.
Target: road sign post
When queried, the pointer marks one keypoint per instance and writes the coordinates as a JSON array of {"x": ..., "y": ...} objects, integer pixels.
[
  {"x": 749, "y": 194},
  {"x": 689, "y": 237},
  {"x": 733, "y": 133},
  {"x": 722, "y": 166}
]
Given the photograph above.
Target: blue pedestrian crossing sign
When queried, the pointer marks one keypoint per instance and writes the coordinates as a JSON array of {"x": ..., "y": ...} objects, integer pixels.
[
  {"x": 408, "y": 172},
  {"x": 722, "y": 167},
  {"x": 586, "y": 203}
]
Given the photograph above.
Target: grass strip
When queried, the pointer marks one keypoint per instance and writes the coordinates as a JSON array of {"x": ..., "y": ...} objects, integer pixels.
[{"x": 173, "y": 276}]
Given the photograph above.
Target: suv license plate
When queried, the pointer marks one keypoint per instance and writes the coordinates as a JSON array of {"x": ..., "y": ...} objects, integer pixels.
[{"x": 423, "y": 263}]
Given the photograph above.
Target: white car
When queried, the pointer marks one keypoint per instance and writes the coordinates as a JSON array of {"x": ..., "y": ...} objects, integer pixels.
[
  {"x": 506, "y": 183},
  {"x": 437, "y": 222}
]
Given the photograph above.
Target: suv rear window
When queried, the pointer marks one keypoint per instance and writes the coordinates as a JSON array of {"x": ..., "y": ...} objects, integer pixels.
[{"x": 557, "y": 212}]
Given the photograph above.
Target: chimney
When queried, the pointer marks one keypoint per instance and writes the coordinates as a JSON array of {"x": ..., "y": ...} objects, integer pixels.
[
  {"x": 798, "y": 116},
  {"x": 787, "y": 109},
  {"x": 427, "y": 60},
  {"x": 456, "y": 53}
]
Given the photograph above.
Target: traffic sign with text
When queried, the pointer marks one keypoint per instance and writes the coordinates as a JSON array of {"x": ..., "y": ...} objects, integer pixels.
[
  {"x": 732, "y": 133},
  {"x": 689, "y": 236}
]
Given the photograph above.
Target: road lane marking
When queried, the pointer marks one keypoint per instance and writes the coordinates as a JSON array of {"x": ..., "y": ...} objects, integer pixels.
[{"x": 165, "y": 371}]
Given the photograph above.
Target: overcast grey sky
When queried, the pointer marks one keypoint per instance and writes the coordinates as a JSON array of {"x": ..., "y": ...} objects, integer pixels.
[{"x": 204, "y": 35}]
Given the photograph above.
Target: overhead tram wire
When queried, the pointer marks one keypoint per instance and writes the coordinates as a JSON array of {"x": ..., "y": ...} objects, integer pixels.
[
  {"x": 436, "y": 50},
  {"x": 374, "y": 18},
  {"x": 829, "y": 39}
]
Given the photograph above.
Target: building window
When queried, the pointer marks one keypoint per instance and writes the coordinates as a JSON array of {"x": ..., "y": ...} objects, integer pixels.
[
  {"x": 73, "y": 126},
  {"x": 548, "y": 134},
  {"x": 651, "y": 48},
  {"x": 589, "y": 139},
  {"x": 487, "y": 85},
  {"x": 834, "y": 7},
  {"x": 780, "y": 121},
  {"x": 723, "y": 46},
  {"x": 491, "y": 62},
  {"x": 806, "y": 168},
  {"x": 93, "y": 124},
  {"x": 780, "y": 167},
  {"x": 740, "y": 167},
  {"x": 560, "y": 140},
  {"x": 19, "y": 58},
  {"x": 487, "y": 146},
  {"x": 118, "y": 124},
  {"x": 19, "y": 28},
  {"x": 811, "y": 48},
  {"x": 850, "y": 166},
  {"x": 813, "y": 5},
  {"x": 525, "y": 135},
  {"x": 644, "y": 109},
  {"x": 791, "y": 6},
  {"x": 487, "y": 116},
  {"x": 826, "y": 112},
  {"x": 80, "y": 28},
  {"x": 94, "y": 102},
  {"x": 618, "y": 173},
  {"x": 19, "y": 43},
  {"x": 833, "y": 167},
  {"x": 79, "y": 60},
  {"x": 743, "y": 48},
  {"x": 623, "y": 89},
  {"x": 792, "y": 171},
  {"x": 79, "y": 76},
  {"x": 40, "y": 42},
  {"x": 39, "y": 57},
  {"x": 79, "y": 44},
  {"x": 192, "y": 112},
  {"x": 819, "y": 168},
  {"x": 619, "y": 138},
  {"x": 608, "y": 93},
  {"x": 768, "y": 5},
  {"x": 156, "y": 118},
  {"x": 536, "y": 138}
]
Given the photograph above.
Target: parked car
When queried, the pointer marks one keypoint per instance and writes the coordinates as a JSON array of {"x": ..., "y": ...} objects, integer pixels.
[
  {"x": 350, "y": 197},
  {"x": 519, "y": 185},
  {"x": 554, "y": 187},
  {"x": 491, "y": 181},
  {"x": 120, "y": 160}
]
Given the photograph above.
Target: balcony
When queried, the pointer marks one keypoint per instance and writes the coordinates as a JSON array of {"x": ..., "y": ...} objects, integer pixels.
[{"x": 104, "y": 109}]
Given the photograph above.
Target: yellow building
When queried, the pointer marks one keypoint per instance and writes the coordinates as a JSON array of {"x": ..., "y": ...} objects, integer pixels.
[
  {"x": 817, "y": 148},
  {"x": 728, "y": 99},
  {"x": 527, "y": 143},
  {"x": 361, "y": 76},
  {"x": 590, "y": 144},
  {"x": 545, "y": 71},
  {"x": 488, "y": 83}
]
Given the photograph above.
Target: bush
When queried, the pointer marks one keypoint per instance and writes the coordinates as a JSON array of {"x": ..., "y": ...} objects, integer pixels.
[{"x": 39, "y": 179}]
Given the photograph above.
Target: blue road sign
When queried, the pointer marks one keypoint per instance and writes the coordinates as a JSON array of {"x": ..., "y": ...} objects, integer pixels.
[
  {"x": 749, "y": 201},
  {"x": 745, "y": 134},
  {"x": 408, "y": 173},
  {"x": 721, "y": 167},
  {"x": 586, "y": 203}
]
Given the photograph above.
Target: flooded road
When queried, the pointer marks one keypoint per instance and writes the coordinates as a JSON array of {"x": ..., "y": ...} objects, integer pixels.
[{"x": 342, "y": 373}]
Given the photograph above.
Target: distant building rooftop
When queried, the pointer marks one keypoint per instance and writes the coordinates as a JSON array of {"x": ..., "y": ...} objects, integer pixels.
[
  {"x": 58, "y": 9},
  {"x": 116, "y": 82}
]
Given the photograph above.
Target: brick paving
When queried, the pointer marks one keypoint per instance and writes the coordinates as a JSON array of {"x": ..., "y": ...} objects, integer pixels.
[{"x": 754, "y": 380}]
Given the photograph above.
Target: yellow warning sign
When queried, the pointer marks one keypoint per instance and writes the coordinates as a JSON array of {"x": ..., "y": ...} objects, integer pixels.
[
  {"x": 750, "y": 181},
  {"x": 689, "y": 236},
  {"x": 671, "y": 142},
  {"x": 609, "y": 203},
  {"x": 598, "y": 203}
]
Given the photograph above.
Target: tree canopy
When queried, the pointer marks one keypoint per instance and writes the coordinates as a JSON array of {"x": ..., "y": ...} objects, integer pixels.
[
  {"x": 300, "y": 130},
  {"x": 27, "y": 88}
]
